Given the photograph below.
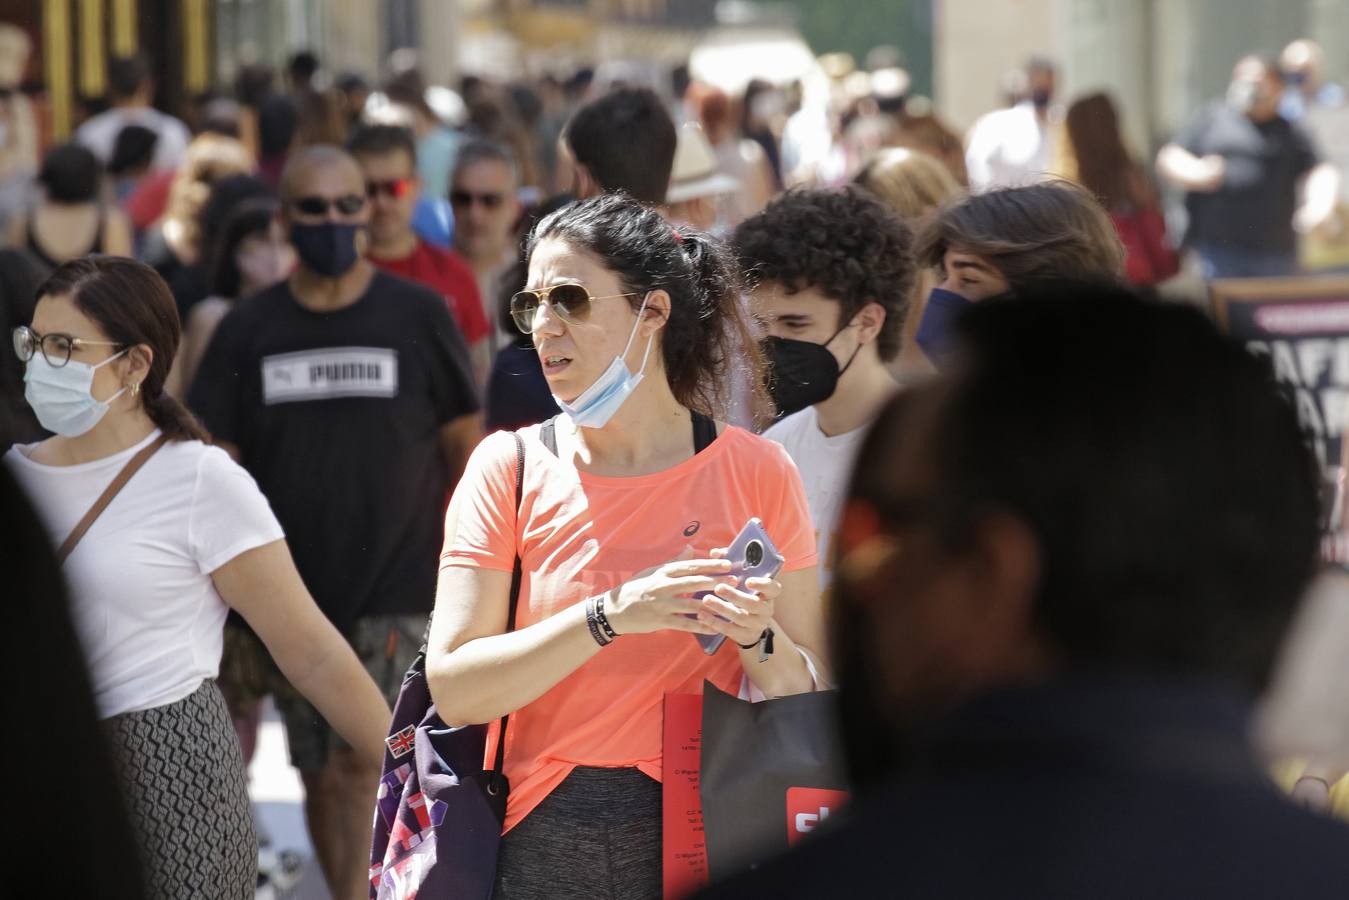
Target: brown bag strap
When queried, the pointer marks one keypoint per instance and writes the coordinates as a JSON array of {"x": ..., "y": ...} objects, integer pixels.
[{"x": 132, "y": 466}]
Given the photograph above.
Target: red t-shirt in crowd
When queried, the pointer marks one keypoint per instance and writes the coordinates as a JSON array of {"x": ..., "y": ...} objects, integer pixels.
[{"x": 448, "y": 275}]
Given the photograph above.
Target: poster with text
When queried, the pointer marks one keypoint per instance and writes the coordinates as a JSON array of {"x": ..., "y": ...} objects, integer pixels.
[{"x": 1302, "y": 326}]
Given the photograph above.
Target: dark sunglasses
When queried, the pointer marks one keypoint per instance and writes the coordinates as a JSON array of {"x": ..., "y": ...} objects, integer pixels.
[
  {"x": 347, "y": 205},
  {"x": 570, "y": 302},
  {"x": 468, "y": 198},
  {"x": 395, "y": 187}
]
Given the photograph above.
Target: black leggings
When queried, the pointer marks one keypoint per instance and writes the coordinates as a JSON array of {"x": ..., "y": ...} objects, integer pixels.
[{"x": 597, "y": 836}]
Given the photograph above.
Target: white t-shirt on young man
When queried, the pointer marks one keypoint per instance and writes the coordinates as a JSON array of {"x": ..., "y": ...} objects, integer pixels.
[
  {"x": 147, "y": 613},
  {"x": 825, "y": 464}
]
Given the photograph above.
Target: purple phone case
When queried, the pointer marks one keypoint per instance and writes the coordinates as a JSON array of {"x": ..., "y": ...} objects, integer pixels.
[{"x": 768, "y": 567}]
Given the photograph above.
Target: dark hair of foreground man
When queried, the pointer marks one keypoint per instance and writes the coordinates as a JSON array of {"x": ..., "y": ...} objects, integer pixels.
[{"x": 1065, "y": 568}]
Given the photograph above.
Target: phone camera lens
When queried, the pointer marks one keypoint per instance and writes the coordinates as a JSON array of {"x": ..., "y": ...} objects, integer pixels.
[{"x": 754, "y": 553}]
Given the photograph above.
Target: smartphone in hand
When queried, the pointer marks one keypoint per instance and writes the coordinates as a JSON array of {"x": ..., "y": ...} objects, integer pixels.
[{"x": 752, "y": 555}]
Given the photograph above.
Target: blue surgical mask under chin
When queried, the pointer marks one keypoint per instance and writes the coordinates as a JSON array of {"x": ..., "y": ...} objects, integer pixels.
[
  {"x": 61, "y": 398},
  {"x": 597, "y": 404}
]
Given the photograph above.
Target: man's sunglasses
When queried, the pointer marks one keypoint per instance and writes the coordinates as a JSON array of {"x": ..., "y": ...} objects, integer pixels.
[
  {"x": 347, "y": 205},
  {"x": 570, "y": 302},
  {"x": 394, "y": 187},
  {"x": 468, "y": 198}
]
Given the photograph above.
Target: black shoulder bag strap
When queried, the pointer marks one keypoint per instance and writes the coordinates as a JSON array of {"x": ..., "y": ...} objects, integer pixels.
[
  {"x": 704, "y": 433},
  {"x": 498, "y": 788}
]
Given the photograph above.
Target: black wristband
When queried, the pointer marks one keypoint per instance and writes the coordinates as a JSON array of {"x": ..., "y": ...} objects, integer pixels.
[
  {"x": 757, "y": 641},
  {"x": 592, "y": 622},
  {"x": 764, "y": 643},
  {"x": 603, "y": 619}
]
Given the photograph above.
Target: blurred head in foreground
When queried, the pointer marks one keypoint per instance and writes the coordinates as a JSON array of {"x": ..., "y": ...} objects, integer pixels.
[{"x": 1096, "y": 485}]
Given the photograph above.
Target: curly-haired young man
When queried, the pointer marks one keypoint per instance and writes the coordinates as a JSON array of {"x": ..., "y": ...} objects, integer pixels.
[{"x": 830, "y": 273}]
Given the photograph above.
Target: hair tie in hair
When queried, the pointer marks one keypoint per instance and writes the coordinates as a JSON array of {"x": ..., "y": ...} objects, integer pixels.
[{"x": 677, "y": 236}]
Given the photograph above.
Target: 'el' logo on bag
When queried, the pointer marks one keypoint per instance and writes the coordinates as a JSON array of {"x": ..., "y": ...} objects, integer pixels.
[{"x": 807, "y": 808}]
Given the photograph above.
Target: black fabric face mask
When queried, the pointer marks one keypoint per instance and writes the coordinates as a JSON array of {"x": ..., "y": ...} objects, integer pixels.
[
  {"x": 326, "y": 248},
  {"x": 802, "y": 373}
]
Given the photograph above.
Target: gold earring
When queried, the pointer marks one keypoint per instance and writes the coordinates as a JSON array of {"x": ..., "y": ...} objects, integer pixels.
[{"x": 135, "y": 388}]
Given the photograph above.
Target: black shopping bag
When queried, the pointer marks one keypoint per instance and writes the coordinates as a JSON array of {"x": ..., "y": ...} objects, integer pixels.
[{"x": 771, "y": 773}]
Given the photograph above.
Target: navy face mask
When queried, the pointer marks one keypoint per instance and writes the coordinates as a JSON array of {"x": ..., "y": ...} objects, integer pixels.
[
  {"x": 326, "y": 248},
  {"x": 936, "y": 328}
]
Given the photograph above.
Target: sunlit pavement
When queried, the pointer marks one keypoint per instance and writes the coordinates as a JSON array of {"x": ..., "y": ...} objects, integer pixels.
[{"x": 278, "y": 802}]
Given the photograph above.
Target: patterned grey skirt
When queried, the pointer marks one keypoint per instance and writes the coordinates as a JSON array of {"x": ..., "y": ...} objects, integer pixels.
[{"x": 183, "y": 779}]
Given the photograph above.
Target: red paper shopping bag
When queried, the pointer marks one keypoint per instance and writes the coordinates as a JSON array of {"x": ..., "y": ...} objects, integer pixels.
[{"x": 685, "y": 852}]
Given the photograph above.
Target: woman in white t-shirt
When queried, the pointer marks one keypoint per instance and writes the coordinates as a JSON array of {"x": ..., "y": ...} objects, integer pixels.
[{"x": 188, "y": 537}]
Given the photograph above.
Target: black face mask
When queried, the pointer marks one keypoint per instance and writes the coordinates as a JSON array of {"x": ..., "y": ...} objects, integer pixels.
[
  {"x": 802, "y": 373},
  {"x": 326, "y": 248}
]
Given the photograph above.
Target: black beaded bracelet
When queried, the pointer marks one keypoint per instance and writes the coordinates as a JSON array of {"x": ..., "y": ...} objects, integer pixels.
[
  {"x": 592, "y": 622},
  {"x": 603, "y": 619}
]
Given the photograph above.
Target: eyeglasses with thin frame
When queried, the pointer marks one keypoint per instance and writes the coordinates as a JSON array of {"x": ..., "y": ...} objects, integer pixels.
[
  {"x": 394, "y": 187},
  {"x": 56, "y": 348},
  {"x": 569, "y": 301},
  {"x": 347, "y": 204},
  {"x": 468, "y": 198}
]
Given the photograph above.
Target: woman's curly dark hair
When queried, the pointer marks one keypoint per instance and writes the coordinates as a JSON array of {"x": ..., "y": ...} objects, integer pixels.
[
  {"x": 708, "y": 346},
  {"x": 842, "y": 242}
]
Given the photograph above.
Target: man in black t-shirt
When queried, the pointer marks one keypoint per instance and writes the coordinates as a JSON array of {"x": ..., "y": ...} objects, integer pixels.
[
  {"x": 1242, "y": 166},
  {"x": 347, "y": 393}
]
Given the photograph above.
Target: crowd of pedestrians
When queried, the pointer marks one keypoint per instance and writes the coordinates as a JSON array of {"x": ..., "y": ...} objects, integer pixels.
[{"x": 342, "y": 369}]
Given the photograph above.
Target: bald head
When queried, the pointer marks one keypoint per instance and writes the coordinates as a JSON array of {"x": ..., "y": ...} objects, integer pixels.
[
  {"x": 323, "y": 184},
  {"x": 1251, "y": 68},
  {"x": 1255, "y": 88},
  {"x": 1302, "y": 53},
  {"x": 1303, "y": 62},
  {"x": 326, "y": 163}
]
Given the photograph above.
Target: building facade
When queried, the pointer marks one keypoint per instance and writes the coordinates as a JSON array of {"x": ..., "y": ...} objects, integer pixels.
[{"x": 1161, "y": 59}]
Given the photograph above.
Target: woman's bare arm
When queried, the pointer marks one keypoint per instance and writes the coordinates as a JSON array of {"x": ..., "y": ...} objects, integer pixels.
[
  {"x": 263, "y": 585},
  {"x": 478, "y": 673}
]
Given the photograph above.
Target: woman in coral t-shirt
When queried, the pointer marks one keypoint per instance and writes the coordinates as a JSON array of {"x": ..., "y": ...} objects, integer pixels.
[{"x": 639, "y": 330}]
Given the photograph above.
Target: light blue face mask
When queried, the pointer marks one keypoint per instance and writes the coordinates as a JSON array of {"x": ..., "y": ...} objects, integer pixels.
[
  {"x": 61, "y": 398},
  {"x": 597, "y": 404}
]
